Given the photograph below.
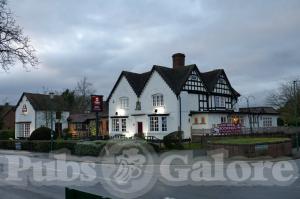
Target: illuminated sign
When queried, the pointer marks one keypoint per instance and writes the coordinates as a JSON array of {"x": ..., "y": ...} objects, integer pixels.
[{"x": 97, "y": 103}]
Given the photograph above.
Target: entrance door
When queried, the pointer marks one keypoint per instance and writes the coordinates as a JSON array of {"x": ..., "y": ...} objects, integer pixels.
[
  {"x": 140, "y": 129},
  {"x": 58, "y": 129}
]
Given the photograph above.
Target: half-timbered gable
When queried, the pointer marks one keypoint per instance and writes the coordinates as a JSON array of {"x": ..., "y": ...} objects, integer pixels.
[
  {"x": 194, "y": 83},
  {"x": 222, "y": 86}
]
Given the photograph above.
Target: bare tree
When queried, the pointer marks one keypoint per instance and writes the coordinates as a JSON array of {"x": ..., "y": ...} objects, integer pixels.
[
  {"x": 284, "y": 100},
  {"x": 83, "y": 91},
  {"x": 13, "y": 44}
]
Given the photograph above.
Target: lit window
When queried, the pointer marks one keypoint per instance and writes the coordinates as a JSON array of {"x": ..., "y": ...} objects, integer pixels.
[
  {"x": 115, "y": 124},
  {"x": 123, "y": 125},
  {"x": 124, "y": 102},
  {"x": 164, "y": 126},
  {"x": 158, "y": 100}
]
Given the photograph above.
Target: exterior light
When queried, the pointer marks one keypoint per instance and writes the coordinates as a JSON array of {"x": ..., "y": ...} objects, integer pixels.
[
  {"x": 155, "y": 110},
  {"x": 116, "y": 113}
]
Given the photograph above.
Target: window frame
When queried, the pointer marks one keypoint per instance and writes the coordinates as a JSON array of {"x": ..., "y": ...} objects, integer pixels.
[{"x": 158, "y": 100}]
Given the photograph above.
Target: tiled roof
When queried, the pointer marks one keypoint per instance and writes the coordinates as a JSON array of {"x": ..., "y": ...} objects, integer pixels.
[
  {"x": 43, "y": 102},
  {"x": 83, "y": 117},
  {"x": 175, "y": 78},
  {"x": 259, "y": 110},
  {"x": 4, "y": 109}
]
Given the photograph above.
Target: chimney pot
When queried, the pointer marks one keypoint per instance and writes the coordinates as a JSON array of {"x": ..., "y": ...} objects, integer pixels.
[{"x": 178, "y": 60}]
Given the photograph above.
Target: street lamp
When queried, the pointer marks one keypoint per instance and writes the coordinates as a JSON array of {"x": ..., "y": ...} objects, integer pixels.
[
  {"x": 51, "y": 94},
  {"x": 295, "y": 109},
  {"x": 248, "y": 107}
]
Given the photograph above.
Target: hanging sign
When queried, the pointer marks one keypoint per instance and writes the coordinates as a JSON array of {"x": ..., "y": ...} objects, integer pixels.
[{"x": 97, "y": 103}]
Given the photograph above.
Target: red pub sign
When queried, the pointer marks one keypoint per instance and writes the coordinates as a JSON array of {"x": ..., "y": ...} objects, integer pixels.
[{"x": 97, "y": 103}]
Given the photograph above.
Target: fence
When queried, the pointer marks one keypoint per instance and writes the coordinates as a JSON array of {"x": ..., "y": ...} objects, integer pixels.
[{"x": 76, "y": 194}]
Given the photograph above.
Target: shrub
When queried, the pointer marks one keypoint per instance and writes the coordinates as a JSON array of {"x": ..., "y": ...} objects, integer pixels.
[
  {"x": 67, "y": 134},
  {"x": 70, "y": 145},
  {"x": 173, "y": 140},
  {"x": 42, "y": 133},
  {"x": 88, "y": 149},
  {"x": 7, "y": 144},
  {"x": 7, "y": 134}
]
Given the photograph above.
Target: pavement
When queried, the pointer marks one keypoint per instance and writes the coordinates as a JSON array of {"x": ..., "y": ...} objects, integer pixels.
[{"x": 159, "y": 190}]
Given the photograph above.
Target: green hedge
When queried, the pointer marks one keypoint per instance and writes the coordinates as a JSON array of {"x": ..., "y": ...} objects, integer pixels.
[
  {"x": 7, "y": 134},
  {"x": 88, "y": 148}
]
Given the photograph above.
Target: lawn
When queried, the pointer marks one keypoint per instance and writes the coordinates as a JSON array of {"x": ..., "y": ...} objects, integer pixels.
[
  {"x": 250, "y": 140},
  {"x": 192, "y": 146}
]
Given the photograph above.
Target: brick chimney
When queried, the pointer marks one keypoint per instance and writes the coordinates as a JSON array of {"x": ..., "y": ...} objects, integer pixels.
[{"x": 178, "y": 60}]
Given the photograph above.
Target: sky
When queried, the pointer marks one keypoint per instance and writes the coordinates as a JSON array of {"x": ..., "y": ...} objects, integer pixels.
[{"x": 256, "y": 42}]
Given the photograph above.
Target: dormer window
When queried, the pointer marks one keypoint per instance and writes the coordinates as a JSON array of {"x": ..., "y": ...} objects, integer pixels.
[
  {"x": 124, "y": 102},
  {"x": 158, "y": 100}
]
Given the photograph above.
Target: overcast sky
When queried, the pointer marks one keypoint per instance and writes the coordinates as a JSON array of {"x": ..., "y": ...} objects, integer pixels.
[{"x": 256, "y": 42}]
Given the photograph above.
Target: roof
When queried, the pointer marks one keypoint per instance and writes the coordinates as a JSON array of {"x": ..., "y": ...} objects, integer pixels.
[
  {"x": 175, "y": 78},
  {"x": 43, "y": 102},
  {"x": 259, "y": 110},
  {"x": 5, "y": 109},
  {"x": 84, "y": 117}
]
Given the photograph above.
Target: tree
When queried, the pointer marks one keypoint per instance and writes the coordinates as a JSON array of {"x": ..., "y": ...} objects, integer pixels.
[
  {"x": 284, "y": 100},
  {"x": 83, "y": 91},
  {"x": 14, "y": 45},
  {"x": 69, "y": 99}
]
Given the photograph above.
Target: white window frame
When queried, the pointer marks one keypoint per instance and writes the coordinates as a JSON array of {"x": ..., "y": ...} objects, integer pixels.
[
  {"x": 154, "y": 123},
  {"x": 164, "y": 123},
  {"x": 124, "y": 102},
  {"x": 158, "y": 100},
  {"x": 115, "y": 124},
  {"x": 123, "y": 124}
]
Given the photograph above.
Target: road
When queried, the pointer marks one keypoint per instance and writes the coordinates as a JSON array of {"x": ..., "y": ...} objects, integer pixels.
[{"x": 159, "y": 190}]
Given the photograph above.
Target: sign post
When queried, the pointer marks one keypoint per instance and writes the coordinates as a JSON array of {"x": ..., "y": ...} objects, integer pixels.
[{"x": 97, "y": 106}]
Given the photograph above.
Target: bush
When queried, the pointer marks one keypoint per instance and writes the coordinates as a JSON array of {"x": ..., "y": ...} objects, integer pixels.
[
  {"x": 88, "y": 148},
  {"x": 70, "y": 145},
  {"x": 42, "y": 133},
  {"x": 7, "y": 134},
  {"x": 7, "y": 144},
  {"x": 173, "y": 140},
  {"x": 67, "y": 134}
]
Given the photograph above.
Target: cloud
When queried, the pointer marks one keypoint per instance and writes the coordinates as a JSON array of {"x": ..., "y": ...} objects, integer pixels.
[{"x": 256, "y": 42}]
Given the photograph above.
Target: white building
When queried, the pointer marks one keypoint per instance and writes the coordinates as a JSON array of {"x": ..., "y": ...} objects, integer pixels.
[
  {"x": 165, "y": 100},
  {"x": 34, "y": 111}
]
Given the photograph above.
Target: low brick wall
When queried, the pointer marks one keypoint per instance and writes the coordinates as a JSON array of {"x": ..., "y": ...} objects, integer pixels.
[{"x": 277, "y": 149}]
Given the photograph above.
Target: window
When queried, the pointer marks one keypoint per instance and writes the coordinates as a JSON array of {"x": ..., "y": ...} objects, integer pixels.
[
  {"x": 203, "y": 120},
  {"x": 217, "y": 101},
  {"x": 78, "y": 126},
  {"x": 24, "y": 129},
  {"x": 267, "y": 122},
  {"x": 158, "y": 100},
  {"x": 124, "y": 102},
  {"x": 58, "y": 115},
  {"x": 123, "y": 121},
  {"x": 158, "y": 123},
  {"x": 195, "y": 120},
  {"x": 164, "y": 124},
  {"x": 115, "y": 124},
  {"x": 223, "y": 119},
  {"x": 154, "y": 123}
]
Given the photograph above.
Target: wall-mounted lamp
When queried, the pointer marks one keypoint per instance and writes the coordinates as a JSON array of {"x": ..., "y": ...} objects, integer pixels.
[
  {"x": 116, "y": 113},
  {"x": 155, "y": 110}
]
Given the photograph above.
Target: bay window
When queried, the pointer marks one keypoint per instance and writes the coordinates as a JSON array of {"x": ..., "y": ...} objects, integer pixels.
[{"x": 119, "y": 124}]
